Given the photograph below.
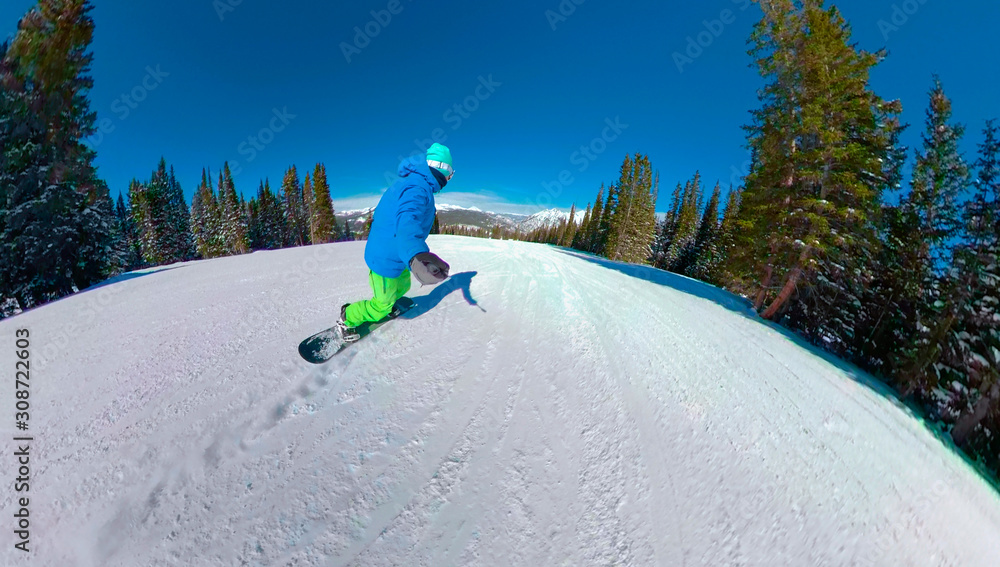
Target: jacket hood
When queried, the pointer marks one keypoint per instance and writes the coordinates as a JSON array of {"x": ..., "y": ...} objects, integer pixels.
[{"x": 417, "y": 165}]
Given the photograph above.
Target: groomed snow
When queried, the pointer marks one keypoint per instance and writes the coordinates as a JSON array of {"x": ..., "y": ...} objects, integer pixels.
[{"x": 540, "y": 408}]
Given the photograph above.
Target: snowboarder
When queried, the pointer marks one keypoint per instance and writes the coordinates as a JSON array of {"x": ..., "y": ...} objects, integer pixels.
[{"x": 397, "y": 241}]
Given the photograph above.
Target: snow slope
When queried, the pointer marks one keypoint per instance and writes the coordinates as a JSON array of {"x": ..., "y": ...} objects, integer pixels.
[{"x": 540, "y": 408}]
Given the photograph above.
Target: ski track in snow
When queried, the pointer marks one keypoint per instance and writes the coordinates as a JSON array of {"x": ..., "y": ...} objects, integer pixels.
[{"x": 577, "y": 415}]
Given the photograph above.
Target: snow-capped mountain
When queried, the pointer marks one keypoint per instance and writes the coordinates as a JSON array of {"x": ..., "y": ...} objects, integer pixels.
[
  {"x": 547, "y": 218},
  {"x": 451, "y": 215}
]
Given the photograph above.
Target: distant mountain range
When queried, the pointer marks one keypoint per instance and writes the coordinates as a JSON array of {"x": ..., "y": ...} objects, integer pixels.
[{"x": 473, "y": 217}]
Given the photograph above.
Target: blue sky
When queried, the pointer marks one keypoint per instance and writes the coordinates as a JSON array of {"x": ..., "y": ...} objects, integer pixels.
[{"x": 265, "y": 85}]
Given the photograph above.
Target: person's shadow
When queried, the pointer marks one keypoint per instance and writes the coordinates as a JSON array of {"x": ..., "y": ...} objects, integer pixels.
[{"x": 423, "y": 304}]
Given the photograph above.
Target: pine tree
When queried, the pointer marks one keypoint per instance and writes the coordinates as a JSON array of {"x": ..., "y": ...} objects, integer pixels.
[
  {"x": 580, "y": 235},
  {"x": 707, "y": 250},
  {"x": 569, "y": 230},
  {"x": 590, "y": 239},
  {"x": 255, "y": 228},
  {"x": 323, "y": 221},
  {"x": 128, "y": 247},
  {"x": 971, "y": 349},
  {"x": 603, "y": 229},
  {"x": 940, "y": 176},
  {"x": 148, "y": 202},
  {"x": 232, "y": 215},
  {"x": 162, "y": 218},
  {"x": 727, "y": 234},
  {"x": 57, "y": 216},
  {"x": 349, "y": 232},
  {"x": 297, "y": 209},
  {"x": 205, "y": 220},
  {"x": 820, "y": 141},
  {"x": 681, "y": 252},
  {"x": 179, "y": 217},
  {"x": 667, "y": 231},
  {"x": 631, "y": 228},
  {"x": 308, "y": 196},
  {"x": 272, "y": 227}
]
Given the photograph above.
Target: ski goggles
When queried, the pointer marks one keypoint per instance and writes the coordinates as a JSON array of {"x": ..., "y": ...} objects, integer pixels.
[{"x": 444, "y": 166}]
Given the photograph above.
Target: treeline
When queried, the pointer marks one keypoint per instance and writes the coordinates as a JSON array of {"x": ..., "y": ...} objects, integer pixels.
[
  {"x": 60, "y": 231},
  {"x": 692, "y": 239},
  {"x": 621, "y": 225},
  {"x": 907, "y": 288},
  {"x": 154, "y": 226}
]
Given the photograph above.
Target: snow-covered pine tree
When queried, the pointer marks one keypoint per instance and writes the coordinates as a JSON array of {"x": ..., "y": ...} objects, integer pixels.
[
  {"x": 632, "y": 227},
  {"x": 308, "y": 197},
  {"x": 205, "y": 222},
  {"x": 255, "y": 229},
  {"x": 879, "y": 329},
  {"x": 296, "y": 207},
  {"x": 727, "y": 230},
  {"x": 148, "y": 201},
  {"x": 706, "y": 247},
  {"x": 179, "y": 217},
  {"x": 569, "y": 231},
  {"x": 940, "y": 177},
  {"x": 590, "y": 238},
  {"x": 324, "y": 223},
  {"x": 680, "y": 255},
  {"x": 667, "y": 230},
  {"x": 232, "y": 215},
  {"x": 581, "y": 232},
  {"x": 58, "y": 216},
  {"x": 349, "y": 232},
  {"x": 970, "y": 361},
  {"x": 271, "y": 218},
  {"x": 603, "y": 229},
  {"x": 127, "y": 247},
  {"x": 819, "y": 143},
  {"x": 162, "y": 218}
]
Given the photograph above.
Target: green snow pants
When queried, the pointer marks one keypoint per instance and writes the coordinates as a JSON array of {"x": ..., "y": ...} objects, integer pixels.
[{"x": 386, "y": 291}]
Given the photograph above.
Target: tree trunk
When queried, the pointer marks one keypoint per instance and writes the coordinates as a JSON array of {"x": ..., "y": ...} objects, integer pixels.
[
  {"x": 789, "y": 288},
  {"x": 785, "y": 295},
  {"x": 969, "y": 421},
  {"x": 758, "y": 302}
]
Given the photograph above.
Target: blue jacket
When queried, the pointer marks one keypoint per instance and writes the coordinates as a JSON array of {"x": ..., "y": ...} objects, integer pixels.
[{"x": 403, "y": 219}]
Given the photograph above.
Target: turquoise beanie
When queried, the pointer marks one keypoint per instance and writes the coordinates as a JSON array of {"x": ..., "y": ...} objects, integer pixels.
[{"x": 439, "y": 157}]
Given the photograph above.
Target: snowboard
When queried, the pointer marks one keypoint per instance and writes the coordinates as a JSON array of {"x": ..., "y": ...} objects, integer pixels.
[{"x": 328, "y": 343}]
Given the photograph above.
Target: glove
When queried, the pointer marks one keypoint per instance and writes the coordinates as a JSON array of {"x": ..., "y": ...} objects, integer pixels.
[{"x": 429, "y": 269}]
